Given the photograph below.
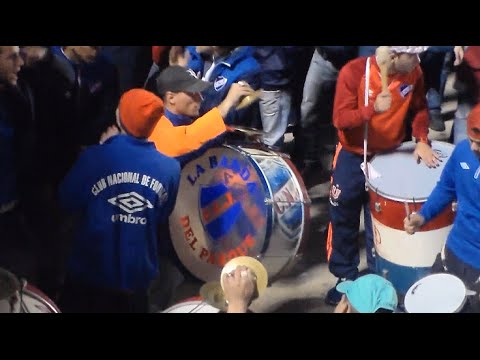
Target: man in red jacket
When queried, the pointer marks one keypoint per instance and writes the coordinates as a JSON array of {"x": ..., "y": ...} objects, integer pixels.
[{"x": 384, "y": 113}]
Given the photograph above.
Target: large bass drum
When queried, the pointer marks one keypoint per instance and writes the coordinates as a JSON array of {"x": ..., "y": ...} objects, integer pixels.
[{"x": 239, "y": 200}]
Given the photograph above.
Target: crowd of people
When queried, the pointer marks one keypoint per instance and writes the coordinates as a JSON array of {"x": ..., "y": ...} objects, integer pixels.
[{"x": 93, "y": 140}]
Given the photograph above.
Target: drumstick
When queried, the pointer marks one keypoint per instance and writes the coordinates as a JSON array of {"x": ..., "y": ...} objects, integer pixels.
[
  {"x": 383, "y": 58},
  {"x": 249, "y": 99},
  {"x": 407, "y": 211}
]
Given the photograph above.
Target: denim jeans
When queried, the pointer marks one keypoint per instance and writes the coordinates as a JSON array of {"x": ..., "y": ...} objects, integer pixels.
[
  {"x": 275, "y": 109},
  {"x": 317, "y": 107},
  {"x": 460, "y": 122}
]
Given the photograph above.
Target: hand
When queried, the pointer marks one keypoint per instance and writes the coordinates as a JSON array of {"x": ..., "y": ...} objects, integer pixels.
[
  {"x": 107, "y": 134},
  {"x": 423, "y": 152},
  {"x": 236, "y": 92},
  {"x": 239, "y": 288},
  {"x": 178, "y": 55},
  {"x": 459, "y": 53},
  {"x": 342, "y": 306},
  {"x": 413, "y": 222},
  {"x": 383, "y": 102}
]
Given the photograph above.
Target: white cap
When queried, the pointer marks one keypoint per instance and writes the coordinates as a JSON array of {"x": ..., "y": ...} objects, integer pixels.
[{"x": 408, "y": 49}]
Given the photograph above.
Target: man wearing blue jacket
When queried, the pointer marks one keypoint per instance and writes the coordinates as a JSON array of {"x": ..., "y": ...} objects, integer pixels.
[
  {"x": 123, "y": 189},
  {"x": 223, "y": 66},
  {"x": 460, "y": 181}
]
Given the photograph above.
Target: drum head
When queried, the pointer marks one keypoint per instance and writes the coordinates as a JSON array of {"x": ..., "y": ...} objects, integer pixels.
[
  {"x": 401, "y": 178},
  {"x": 237, "y": 201},
  {"x": 192, "y": 307},
  {"x": 437, "y": 293}
]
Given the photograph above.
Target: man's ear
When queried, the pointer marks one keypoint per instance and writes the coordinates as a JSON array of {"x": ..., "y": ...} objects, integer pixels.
[{"x": 170, "y": 98}]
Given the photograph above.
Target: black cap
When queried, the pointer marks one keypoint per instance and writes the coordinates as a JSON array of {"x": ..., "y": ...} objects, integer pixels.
[{"x": 177, "y": 79}]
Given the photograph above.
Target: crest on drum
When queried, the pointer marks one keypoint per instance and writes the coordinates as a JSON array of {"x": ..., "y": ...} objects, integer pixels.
[{"x": 230, "y": 203}]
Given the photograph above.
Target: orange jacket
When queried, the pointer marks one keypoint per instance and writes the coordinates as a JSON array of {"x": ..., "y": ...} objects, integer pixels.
[
  {"x": 176, "y": 141},
  {"x": 386, "y": 130}
]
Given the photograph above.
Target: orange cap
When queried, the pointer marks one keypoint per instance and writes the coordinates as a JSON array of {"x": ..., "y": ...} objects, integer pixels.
[
  {"x": 139, "y": 112},
  {"x": 473, "y": 123}
]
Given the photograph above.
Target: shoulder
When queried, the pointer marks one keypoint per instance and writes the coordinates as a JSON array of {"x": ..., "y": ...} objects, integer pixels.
[
  {"x": 353, "y": 71},
  {"x": 165, "y": 162}
]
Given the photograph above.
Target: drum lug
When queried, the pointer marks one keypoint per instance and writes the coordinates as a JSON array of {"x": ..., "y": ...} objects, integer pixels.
[
  {"x": 378, "y": 207},
  {"x": 454, "y": 206}
]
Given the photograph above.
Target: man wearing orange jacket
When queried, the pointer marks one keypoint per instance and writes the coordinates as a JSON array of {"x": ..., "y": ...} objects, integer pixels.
[
  {"x": 179, "y": 133},
  {"x": 384, "y": 113}
]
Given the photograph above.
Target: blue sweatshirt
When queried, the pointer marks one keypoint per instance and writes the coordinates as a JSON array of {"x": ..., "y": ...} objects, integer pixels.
[
  {"x": 460, "y": 180},
  {"x": 124, "y": 189},
  {"x": 238, "y": 65}
]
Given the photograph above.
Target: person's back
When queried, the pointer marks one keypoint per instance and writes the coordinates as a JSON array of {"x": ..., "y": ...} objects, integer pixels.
[
  {"x": 125, "y": 199},
  {"x": 122, "y": 191}
]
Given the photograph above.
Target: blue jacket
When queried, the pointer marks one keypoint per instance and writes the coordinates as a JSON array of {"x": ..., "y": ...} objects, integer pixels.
[
  {"x": 239, "y": 65},
  {"x": 460, "y": 180},
  {"x": 123, "y": 189},
  {"x": 97, "y": 98}
]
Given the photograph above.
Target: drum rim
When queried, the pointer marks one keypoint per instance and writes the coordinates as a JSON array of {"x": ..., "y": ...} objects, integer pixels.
[
  {"x": 394, "y": 197},
  {"x": 448, "y": 275},
  {"x": 186, "y": 303}
]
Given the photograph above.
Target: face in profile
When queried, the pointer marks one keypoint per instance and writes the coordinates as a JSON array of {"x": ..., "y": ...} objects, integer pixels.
[
  {"x": 10, "y": 64},
  {"x": 186, "y": 103},
  {"x": 86, "y": 54},
  {"x": 406, "y": 63}
]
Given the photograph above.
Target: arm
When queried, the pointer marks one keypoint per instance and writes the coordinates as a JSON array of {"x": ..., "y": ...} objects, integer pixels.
[
  {"x": 179, "y": 140},
  {"x": 175, "y": 141},
  {"x": 443, "y": 193},
  {"x": 420, "y": 111},
  {"x": 423, "y": 150},
  {"x": 346, "y": 113}
]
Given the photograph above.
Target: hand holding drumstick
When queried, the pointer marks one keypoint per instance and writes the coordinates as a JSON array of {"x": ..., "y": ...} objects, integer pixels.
[
  {"x": 413, "y": 222},
  {"x": 384, "y": 99}
]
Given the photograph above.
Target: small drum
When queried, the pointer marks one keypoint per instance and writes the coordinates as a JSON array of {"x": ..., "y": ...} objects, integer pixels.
[
  {"x": 35, "y": 301},
  {"x": 401, "y": 182},
  {"x": 235, "y": 201},
  {"x": 17, "y": 296},
  {"x": 436, "y": 293},
  {"x": 193, "y": 305}
]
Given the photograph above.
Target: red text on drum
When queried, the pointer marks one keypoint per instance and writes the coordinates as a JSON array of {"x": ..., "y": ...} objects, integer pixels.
[{"x": 216, "y": 258}]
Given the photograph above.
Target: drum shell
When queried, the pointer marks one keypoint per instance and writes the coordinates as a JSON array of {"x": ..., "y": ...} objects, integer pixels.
[
  {"x": 401, "y": 258},
  {"x": 281, "y": 228}
]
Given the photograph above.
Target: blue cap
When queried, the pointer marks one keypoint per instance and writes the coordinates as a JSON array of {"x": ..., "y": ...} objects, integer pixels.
[{"x": 369, "y": 293}]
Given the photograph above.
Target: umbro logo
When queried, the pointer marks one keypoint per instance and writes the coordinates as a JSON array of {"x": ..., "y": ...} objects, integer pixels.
[
  {"x": 464, "y": 166},
  {"x": 131, "y": 202}
]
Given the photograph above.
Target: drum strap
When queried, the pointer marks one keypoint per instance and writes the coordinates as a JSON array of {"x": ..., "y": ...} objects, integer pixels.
[
  {"x": 444, "y": 259},
  {"x": 365, "y": 129}
]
